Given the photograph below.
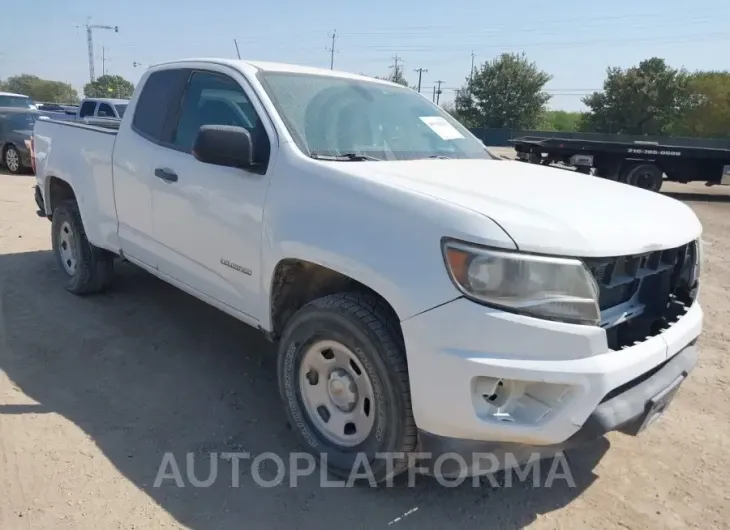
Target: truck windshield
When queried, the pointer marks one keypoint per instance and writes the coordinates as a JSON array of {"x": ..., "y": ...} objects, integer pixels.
[
  {"x": 336, "y": 118},
  {"x": 18, "y": 102}
]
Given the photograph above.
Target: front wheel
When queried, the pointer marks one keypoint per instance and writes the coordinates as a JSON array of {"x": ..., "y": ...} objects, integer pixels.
[{"x": 344, "y": 381}]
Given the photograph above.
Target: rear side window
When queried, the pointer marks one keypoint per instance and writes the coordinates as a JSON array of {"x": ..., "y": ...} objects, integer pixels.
[
  {"x": 105, "y": 111},
  {"x": 87, "y": 108},
  {"x": 161, "y": 94}
]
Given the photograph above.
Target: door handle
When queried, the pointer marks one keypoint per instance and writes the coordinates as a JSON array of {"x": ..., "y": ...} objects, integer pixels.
[{"x": 165, "y": 174}]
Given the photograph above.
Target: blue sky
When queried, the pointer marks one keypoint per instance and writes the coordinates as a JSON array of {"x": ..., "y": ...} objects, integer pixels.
[{"x": 574, "y": 40}]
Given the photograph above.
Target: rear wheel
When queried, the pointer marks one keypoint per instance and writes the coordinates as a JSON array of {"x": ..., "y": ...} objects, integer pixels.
[
  {"x": 645, "y": 176},
  {"x": 11, "y": 159},
  {"x": 88, "y": 269},
  {"x": 344, "y": 381}
]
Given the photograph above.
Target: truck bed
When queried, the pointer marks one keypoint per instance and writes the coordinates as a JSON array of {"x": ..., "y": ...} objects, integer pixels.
[{"x": 65, "y": 148}]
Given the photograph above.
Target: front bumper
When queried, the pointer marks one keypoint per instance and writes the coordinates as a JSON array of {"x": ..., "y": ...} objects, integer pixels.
[
  {"x": 629, "y": 409},
  {"x": 484, "y": 375}
]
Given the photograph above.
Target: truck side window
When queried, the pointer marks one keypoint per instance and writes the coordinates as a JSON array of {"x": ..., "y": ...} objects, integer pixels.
[
  {"x": 105, "y": 110},
  {"x": 87, "y": 109},
  {"x": 161, "y": 92},
  {"x": 215, "y": 99}
]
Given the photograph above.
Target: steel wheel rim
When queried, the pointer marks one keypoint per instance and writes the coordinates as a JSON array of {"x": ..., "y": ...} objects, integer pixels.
[
  {"x": 12, "y": 160},
  {"x": 337, "y": 393},
  {"x": 67, "y": 248}
]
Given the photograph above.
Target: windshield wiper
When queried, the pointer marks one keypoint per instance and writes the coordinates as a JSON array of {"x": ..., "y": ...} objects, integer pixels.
[
  {"x": 439, "y": 157},
  {"x": 345, "y": 157}
]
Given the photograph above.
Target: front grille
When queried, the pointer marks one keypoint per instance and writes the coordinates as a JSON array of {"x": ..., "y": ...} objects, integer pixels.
[
  {"x": 648, "y": 291},
  {"x": 653, "y": 276}
]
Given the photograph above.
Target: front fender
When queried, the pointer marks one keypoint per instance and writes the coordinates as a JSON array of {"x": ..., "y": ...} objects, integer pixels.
[{"x": 386, "y": 238}]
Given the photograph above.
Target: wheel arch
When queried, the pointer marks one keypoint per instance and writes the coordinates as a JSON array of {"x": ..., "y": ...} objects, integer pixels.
[{"x": 295, "y": 282}]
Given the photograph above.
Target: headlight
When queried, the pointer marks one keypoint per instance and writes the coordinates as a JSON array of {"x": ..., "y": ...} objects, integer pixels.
[
  {"x": 698, "y": 261},
  {"x": 541, "y": 286}
]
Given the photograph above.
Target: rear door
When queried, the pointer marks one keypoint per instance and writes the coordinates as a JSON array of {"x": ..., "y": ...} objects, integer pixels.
[
  {"x": 105, "y": 111},
  {"x": 142, "y": 139}
]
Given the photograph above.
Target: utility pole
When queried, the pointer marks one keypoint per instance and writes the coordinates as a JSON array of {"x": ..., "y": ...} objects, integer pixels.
[
  {"x": 438, "y": 91},
  {"x": 90, "y": 43},
  {"x": 103, "y": 60},
  {"x": 237, "y": 51},
  {"x": 471, "y": 72},
  {"x": 331, "y": 49},
  {"x": 395, "y": 66},
  {"x": 433, "y": 98},
  {"x": 420, "y": 71}
]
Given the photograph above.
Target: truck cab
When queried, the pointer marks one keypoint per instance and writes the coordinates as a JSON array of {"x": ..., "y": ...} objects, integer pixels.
[{"x": 102, "y": 108}]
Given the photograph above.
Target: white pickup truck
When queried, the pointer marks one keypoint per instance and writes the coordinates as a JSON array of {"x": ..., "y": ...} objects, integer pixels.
[{"x": 426, "y": 296}]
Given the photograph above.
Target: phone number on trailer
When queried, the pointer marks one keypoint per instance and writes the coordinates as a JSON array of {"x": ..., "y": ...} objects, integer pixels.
[{"x": 654, "y": 152}]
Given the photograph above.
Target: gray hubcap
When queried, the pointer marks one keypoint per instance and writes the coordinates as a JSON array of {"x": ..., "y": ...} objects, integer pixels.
[
  {"x": 337, "y": 393},
  {"x": 67, "y": 248},
  {"x": 12, "y": 160}
]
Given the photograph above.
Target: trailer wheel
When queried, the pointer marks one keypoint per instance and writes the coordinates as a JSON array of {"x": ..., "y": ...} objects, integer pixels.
[{"x": 646, "y": 176}]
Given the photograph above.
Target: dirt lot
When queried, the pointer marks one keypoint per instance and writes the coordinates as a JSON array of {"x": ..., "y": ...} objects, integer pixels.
[{"x": 93, "y": 392}]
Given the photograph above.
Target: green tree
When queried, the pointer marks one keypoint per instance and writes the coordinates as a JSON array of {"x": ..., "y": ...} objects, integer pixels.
[
  {"x": 709, "y": 111},
  {"x": 396, "y": 76},
  {"x": 505, "y": 92},
  {"x": 109, "y": 86},
  {"x": 560, "y": 120},
  {"x": 644, "y": 99},
  {"x": 450, "y": 107},
  {"x": 40, "y": 89}
]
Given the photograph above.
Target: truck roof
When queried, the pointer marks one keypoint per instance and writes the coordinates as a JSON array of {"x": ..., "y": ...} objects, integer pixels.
[
  {"x": 113, "y": 101},
  {"x": 263, "y": 66},
  {"x": 13, "y": 94}
]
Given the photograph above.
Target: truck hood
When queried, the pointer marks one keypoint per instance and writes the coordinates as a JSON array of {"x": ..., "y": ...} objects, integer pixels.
[{"x": 548, "y": 210}]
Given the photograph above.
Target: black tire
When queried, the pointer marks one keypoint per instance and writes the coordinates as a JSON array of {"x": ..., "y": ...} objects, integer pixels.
[
  {"x": 645, "y": 176},
  {"x": 94, "y": 266},
  {"x": 361, "y": 323},
  {"x": 9, "y": 150}
]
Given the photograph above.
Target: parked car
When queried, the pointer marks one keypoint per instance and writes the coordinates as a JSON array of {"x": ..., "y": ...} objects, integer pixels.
[
  {"x": 8, "y": 99},
  {"x": 425, "y": 296},
  {"x": 51, "y": 107},
  {"x": 16, "y": 131}
]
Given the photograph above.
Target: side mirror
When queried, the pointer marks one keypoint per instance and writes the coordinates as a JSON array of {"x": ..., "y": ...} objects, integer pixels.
[{"x": 224, "y": 145}]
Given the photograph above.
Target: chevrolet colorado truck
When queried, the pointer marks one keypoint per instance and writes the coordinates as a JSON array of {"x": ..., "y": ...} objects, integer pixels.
[{"x": 426, "y": 296}]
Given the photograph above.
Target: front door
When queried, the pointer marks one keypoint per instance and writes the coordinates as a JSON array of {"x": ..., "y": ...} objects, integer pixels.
[{"x": 208, "y": 218}]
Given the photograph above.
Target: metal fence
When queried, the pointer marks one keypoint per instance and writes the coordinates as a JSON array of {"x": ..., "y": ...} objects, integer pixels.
[{"x": 501, "y": 138}]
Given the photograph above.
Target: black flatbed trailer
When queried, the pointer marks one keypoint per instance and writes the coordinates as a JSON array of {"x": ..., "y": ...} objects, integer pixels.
[{"x": 641, "y": 163}]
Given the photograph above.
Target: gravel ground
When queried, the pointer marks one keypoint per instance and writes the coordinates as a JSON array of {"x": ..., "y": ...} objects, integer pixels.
[{"x": 94, "y": 391}]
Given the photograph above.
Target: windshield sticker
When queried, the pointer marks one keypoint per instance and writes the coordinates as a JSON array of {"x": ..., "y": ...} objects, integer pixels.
[{"x": 441, "y": 127}]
